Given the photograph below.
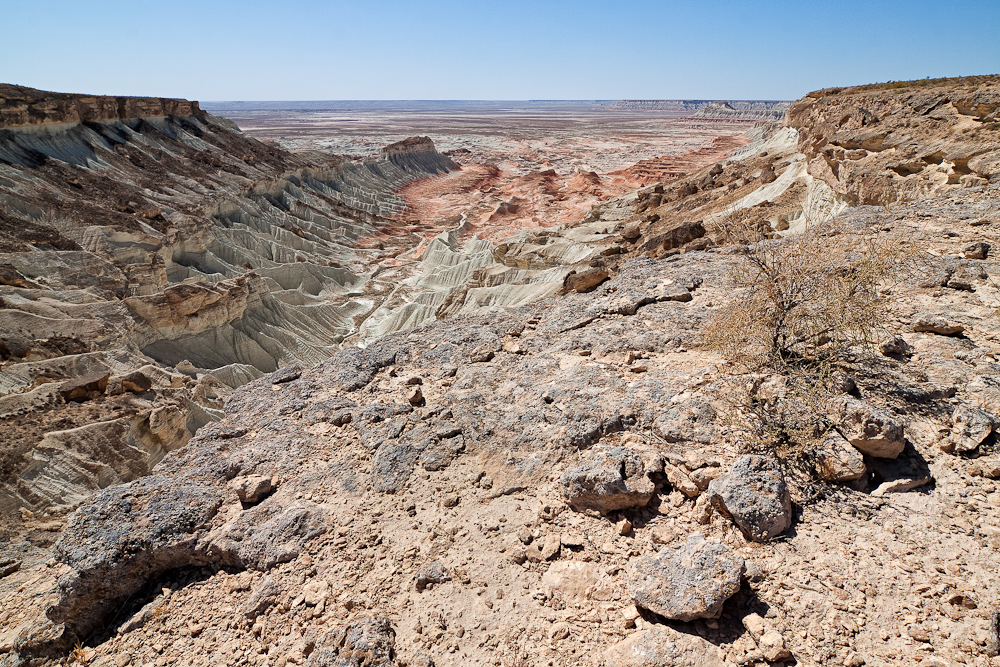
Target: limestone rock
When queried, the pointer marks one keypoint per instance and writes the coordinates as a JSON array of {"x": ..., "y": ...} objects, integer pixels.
[
  {"x": 970, "y": 427},
  {"x": 936, "y": 324},
  {"x": 769, "y": 640},
  {"x": 755, "y": 496},
  {"x": 659, "y": 646},
  {"x": 686, "y": 583},
  {"x": 608, "y": 479},
  {"x": 871, "y": 430},
  {"x": 838, "y": 461}
]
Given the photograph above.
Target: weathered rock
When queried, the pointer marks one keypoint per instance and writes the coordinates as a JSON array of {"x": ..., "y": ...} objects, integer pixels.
[
  {"x": 896, "y": 345},
  {"x": 690, "y": 582},
  {"x": 659, "y": 646},
  {"x": 366, "y": 643},
  {"x": 287, "y": 374},
  {"x": 586, "y": 280},
  {"x": 977, "y": 250},
  {"x": 970, "y": 427},
  {"x": 936, "y": 324},
  {"x": 84, "y": 388},
  {"x": 871, "y": 430},
  {"x": 838, "y": 461},
  {"x": 431, "y": 573},
  {"x": 755, "y": 496},
  {"x": 608, "y": 479},
  {"x": 769, "y": 640},
  {"x": 262, "y": 598}
]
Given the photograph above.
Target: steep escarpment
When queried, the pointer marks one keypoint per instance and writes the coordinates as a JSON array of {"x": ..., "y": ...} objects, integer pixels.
[
  {"x": 152, "y": 258},
  {"x": 881, "y": 144},
  {"x": 22, "y": 107}
]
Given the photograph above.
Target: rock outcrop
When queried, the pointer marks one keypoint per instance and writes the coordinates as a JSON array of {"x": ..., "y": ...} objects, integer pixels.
[{"x": 527, "y": 485}]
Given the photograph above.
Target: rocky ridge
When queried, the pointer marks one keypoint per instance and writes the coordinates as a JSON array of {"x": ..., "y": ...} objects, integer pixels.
[{"x": 558, "y": 484}]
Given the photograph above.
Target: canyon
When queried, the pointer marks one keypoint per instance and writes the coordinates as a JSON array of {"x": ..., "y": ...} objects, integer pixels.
[{"x": 293, "y": 393}]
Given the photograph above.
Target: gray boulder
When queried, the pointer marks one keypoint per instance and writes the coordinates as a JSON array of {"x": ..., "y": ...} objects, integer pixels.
[
  {"x": 871, "y": 430},
  {"x": 755, "y": 496},
  {"x": 608, "y": 479},
  {"x": 686, "y": 583}
]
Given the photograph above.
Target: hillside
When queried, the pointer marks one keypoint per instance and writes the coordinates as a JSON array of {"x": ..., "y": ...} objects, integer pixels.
[{"x": 555, "y": 480}]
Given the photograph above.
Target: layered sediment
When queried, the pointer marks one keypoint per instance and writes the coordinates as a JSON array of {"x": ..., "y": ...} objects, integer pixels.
[{"x": 553, "y": 479}]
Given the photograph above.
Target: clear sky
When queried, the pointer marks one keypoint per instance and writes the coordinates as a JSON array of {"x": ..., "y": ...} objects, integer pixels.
[{"x": 513, "y": 50}]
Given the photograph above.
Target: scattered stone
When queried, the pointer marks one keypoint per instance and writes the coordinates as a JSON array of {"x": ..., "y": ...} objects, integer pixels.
[
  {"x": 661, "y": 646},
  {"x": 686, "y": 583},
  {"x": 871, "y": 430},
  {"x": 769, "y": 640},
  {"x": 608, "y": 479},
  {"x": 624, "y": 527},
  {"x": 680, "y": 481},
  {"x": 316, "y": 592},
  {"x": 366, "y": 643},
  {"x": 930, "y": 323},
  {"x": 262, "y": 598},
  {"x": 252, "y": 488},
  {"x": 978, "y": 250},
  {"x": 415, "y": 397},
  {"x": 431, "y": 573},
  {"x": 551, "y": 547},
  {"x": 559, "y": 631},
  {"x": 900, "y": 485},
  {"x": 895, "y": 346},
  {"x": 755, "y": 496}
]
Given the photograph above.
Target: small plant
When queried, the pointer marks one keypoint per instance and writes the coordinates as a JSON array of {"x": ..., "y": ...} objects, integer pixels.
[{"x": 80, "y": 654}]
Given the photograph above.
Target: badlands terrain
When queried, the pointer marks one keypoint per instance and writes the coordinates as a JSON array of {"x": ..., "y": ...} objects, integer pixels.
[{"x": 266, "y": 405}]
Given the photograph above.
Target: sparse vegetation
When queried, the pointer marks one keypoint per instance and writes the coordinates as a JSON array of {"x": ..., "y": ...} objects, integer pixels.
[{"x": 806, "y": 306}]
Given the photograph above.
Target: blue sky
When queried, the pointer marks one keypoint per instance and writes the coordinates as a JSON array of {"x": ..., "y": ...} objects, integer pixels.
[{"x": 515, "y": 50}]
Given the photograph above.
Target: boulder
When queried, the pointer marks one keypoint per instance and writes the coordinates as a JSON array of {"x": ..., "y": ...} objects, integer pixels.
[
  {"x": 837, "y": 460},
  {"x": 755, "y": 496},
  {"x": 84, "y": 388},
  {"x": 608, "y": 479},
  {"x": 690, "y": 582},
  {"x": 871, "y": 430}
]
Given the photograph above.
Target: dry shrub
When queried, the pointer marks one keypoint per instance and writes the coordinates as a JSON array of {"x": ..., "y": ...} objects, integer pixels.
[
  {"x": 803, "y": 309},
  {"x": 817, "y": 296}
]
